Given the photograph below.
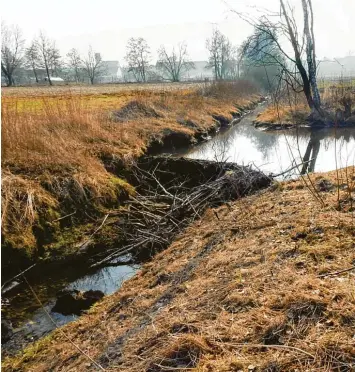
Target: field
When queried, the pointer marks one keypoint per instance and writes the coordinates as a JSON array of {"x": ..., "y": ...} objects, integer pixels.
[
  {"x": 265, "y": 283},
  {"x": 59, "y": 90},
  {"x": 63, "y": 149}
]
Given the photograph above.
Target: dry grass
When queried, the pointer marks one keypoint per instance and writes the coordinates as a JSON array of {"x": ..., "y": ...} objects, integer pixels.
[
  {"x": 57, "y": 144},
  {"x": 84, "y": 89},
  {"x": 292, "y": 109},
  {"x": 250, "y": 287},
  {"x": 283, "y": 114}
]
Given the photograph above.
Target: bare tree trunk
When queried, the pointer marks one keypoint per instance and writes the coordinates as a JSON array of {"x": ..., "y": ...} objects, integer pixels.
[
  {"x": 310, "y": 51},
  {"x": 35, "y": 73},
  {"x": 7, "y": 76},
  {"x": 298, "y": 60}
]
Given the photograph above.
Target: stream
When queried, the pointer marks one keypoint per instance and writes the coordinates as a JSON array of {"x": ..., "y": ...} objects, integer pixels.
[
  {"x": 272, "y": 152},
  {"x": 31, "y": 321},
  {"x": 277, "y": 151}
]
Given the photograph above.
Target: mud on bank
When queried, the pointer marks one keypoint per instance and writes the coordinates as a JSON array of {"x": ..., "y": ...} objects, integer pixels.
[
  {"x": 66, "y": 159},
  {"x": 265, "y": 283}
]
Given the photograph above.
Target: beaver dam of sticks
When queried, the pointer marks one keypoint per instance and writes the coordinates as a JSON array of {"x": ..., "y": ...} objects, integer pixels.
[{"x": 171, "y": 193}]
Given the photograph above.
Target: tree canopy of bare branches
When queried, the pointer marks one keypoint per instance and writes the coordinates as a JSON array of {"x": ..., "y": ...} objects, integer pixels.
[
  {"x": 221, "y": 55},
  {"x": 138, "y": 58},
  {"x": 49, "y": 56},
  {"x": 32, "y": 59},
  {"x": 174, "y": 64},
  {"x": 93, "y": 65},
  {"x": 12, "y": 50},
  {"x": 299, "y": 70},
  {"x": 75, "y": 63},
  {"x": 261, "y": 59}
]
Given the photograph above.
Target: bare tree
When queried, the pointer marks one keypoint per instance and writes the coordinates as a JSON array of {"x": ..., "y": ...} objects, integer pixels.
[
  {"x": 75, "y": 63},
  {"x": 49, "y": 56},
  {"x": 261, "y": 59},
  {"x": 296, "y": 73},
  {"x": 32, "y": 58},
  {"x": 222, "y": 54},
  {"x": 138, "y": 58},
  {"x": 12, "y": 48},
  {"x": 174, "y": 64},
  {"x": 93, "y": 65}
]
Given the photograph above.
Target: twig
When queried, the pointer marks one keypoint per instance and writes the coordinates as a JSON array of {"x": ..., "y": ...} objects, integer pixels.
[
  {"x": 88, "y": 239},
  {"x": 286, "y": 347},
  {"x": 16, "y": 276},
  {"x": 61, "y": 218},
  {"x": 290, "y": 169},
  {"x": 336, "y": 272}
]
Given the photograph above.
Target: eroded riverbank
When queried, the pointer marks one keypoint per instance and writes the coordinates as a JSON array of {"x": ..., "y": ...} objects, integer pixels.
[
  {"x": 265, "y": 281},
  {"x": 172, "y": 194}
]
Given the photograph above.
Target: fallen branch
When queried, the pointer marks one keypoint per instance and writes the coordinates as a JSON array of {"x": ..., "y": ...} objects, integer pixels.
[
  {"x": 166, "y": 202},
  {"x": 16, "y": 276},
  {"x": 285, "y": 347},
  {"x": 98, "y": 229},
  {"x": 337, "y": 272}
]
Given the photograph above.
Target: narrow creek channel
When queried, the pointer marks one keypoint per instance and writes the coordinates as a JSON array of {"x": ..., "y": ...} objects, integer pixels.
[
  {"x": 272, "y": 152},
  {"x": 278, "y": 150},
  {"x": 31, "y": 321}
]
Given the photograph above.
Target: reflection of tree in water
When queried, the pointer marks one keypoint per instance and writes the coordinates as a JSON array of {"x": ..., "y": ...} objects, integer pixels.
[
  {"x": 263, "y": 141},
  {"x": 326, "y": 136},
  {"x": 276, "y": 147},
  {"x": 220, "y": 147}
]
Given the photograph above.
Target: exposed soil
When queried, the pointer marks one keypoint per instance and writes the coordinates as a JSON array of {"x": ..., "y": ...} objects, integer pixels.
[{"x": 265, "y": 283}]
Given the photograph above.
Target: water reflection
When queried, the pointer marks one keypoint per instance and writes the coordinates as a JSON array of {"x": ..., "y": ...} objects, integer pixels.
[
  {"x": 274, "y": 152},
  {"x": 107, "y": 280}
]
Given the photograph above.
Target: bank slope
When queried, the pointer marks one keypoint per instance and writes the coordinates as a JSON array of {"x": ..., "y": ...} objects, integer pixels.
[{"x": 264, "y": 284}]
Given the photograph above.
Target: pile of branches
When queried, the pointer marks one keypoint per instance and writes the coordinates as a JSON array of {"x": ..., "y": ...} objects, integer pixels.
[{"x": 159, "y": 211}]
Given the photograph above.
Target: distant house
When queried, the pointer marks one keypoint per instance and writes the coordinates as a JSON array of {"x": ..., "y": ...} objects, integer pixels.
[
  {"x": 55, "y": 80},
  {"x": 110, "y": 72}
]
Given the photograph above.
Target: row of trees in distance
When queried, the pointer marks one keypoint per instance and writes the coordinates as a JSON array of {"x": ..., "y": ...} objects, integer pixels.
[{"x": 43, "y": 58}]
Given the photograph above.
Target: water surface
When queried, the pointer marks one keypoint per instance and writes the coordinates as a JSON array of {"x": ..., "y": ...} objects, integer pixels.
[
  {"x": 276, "y": 151},
  {"x": 31, "y": 321}
]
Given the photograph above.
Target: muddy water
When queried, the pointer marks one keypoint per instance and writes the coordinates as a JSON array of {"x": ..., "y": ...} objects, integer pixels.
[{"x": 276, "y": 151}]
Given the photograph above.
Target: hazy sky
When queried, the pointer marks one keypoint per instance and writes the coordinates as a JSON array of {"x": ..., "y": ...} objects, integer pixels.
[{"x": 108, "y": 24}]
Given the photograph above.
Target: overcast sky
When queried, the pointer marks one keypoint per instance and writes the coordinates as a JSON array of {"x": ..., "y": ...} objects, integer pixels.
[{"x": 108, "y": 24}]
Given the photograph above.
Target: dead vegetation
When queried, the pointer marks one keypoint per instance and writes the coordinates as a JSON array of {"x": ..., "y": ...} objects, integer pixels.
[
  {"x": 290, "y": 109},
  {"x": 263, "y": 284},
  {"x": 172, "y": 193},
  {"x": 67, "y": 150}
]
